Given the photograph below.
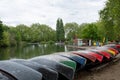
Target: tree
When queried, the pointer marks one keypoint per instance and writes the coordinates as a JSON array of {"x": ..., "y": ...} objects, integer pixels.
[
  {"x": 60, "y": 34},
  {"x": 114, "y": 6},
  {"x": 13, "y": 36},
  {"x": 71, "y": 30},
  {"x": 4, "y": 35},
  {"x": 80, "y": 30},
  {"x": 21, "y": 31},
  {"x": 100, "y": 30},
  {"x": 107, "y": 22},
  {"x": 110, "y": 18},
  {"x": 90, "y": 32},
  {"x": 42, "y": 32},
  {"x": 1, "y": 33},
  {"x": 5, "y": 41},
  {"x": 1, "y": 30}
]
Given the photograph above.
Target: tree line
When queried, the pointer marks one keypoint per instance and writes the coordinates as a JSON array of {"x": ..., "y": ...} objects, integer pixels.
[
  {"x": 106, "y": 28},
  {"x": 36, "y": 33}
]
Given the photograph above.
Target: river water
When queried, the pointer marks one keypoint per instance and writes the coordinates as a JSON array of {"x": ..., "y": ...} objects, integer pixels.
[{"x": 30, "y": 50}]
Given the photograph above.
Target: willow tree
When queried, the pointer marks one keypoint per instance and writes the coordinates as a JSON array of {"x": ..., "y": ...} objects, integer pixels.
[
  {"x": 60, "y": 34},
  {"x": 71, "y": 30}
]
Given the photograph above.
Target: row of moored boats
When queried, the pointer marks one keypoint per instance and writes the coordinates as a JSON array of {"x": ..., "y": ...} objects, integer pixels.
[{"x": 57, "y": 66}]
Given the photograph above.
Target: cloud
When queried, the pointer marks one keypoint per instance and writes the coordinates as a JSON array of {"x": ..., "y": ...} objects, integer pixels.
[{"x": 14, "y": 12}]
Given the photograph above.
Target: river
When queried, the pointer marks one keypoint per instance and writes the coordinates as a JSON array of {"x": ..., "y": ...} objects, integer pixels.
[{"x": 30, "y": 50}]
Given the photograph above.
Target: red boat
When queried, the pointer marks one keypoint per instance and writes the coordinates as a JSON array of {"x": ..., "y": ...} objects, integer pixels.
[
  {"x": 97, "y": 56},
  {"x": 118, "y": 46},
  {"x": 87, "y": 56},
  {"x": 105, "y": 54}
]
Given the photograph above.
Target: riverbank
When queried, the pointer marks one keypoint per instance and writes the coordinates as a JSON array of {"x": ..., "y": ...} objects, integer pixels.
[{"x": 109, "y": 72}]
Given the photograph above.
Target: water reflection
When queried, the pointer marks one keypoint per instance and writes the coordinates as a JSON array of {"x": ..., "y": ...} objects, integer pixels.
[
  {"x": 4, "y": 53},
  {"x": 30, "y": 51}
]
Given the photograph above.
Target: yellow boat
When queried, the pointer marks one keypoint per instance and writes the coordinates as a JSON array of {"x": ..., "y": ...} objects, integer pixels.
[{"x": 112, "y": 52}]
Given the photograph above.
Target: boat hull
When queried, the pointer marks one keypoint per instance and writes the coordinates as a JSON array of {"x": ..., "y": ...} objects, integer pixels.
[
  {"x": 87, "y": 56},
  {"x": 78, "y": 59},
  {"x": 64, "y": 71},
  {"x": 48, "y": 74},
  {"x": 60, "y": 59},
  {"x": 19, "y": 71}
]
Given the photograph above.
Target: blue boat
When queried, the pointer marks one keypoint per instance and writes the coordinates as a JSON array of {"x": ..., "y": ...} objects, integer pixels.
[{"x": 78, "y": 59}]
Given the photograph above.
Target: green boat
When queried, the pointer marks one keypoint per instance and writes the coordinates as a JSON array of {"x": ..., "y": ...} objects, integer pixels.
[{"x": 60, "y": 59}]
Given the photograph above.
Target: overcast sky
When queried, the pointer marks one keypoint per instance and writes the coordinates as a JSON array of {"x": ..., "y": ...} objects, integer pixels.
[{"x": 14, "y": 12}]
